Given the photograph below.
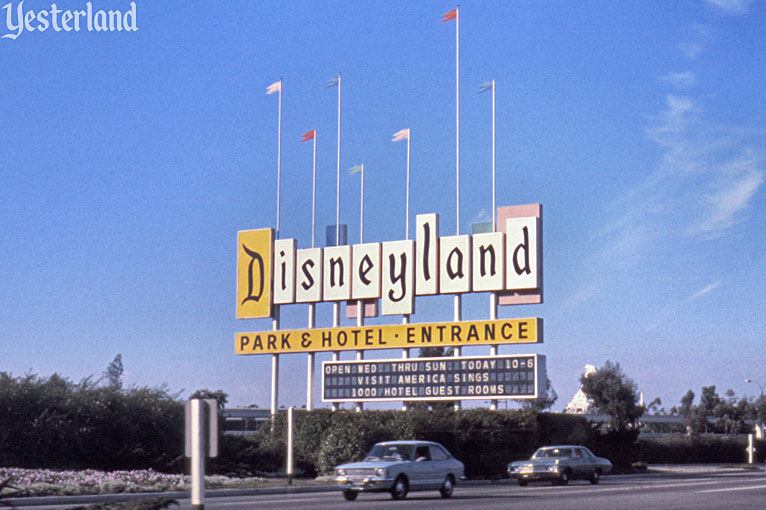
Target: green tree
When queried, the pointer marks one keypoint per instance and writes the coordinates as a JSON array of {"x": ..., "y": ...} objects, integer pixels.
[
  {"x": 614, "y": 394},
  {"x": 219, "y": 396},
  {"x": 113, "y": 373},
  {"x": 544, "y": 401}
]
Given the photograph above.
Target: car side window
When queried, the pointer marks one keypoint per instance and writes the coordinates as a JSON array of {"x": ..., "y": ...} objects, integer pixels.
[
  {"x": 577, "y": 453},
  {"x": 438, "y": 453},
  {"x": 422, "y": 451}
]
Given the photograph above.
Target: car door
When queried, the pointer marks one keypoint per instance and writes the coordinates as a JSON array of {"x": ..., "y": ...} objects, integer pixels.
[
  {"x": 580, "y": 464},
  {"x": 422, "y": 467},
  {"x": 441, "y": 464}
]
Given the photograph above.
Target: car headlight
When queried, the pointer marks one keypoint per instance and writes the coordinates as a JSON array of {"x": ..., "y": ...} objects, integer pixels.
[
  {"x": 340, "y": 472},
  {"x": 382, "y": 472},
  {"x": 513, "y": 468}
]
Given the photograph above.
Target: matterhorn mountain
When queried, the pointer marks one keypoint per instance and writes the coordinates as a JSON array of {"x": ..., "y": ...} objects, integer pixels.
[{"x": 580, "y": 403}]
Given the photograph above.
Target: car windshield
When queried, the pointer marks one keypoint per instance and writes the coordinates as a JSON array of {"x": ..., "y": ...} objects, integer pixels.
[
  {"x": 390, "y": 451},
  {"x": 544, "y": 453}
]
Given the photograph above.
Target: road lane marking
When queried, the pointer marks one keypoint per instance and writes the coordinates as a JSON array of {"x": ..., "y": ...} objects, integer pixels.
[{"x": 734, "y": 489}]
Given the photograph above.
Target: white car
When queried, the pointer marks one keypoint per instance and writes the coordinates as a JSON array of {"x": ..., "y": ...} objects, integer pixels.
[{"x": 399, "y": 467}]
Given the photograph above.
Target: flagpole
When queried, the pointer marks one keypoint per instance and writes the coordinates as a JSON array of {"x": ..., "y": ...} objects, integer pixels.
[
  {"x": 275, "y": 320},
  {"x": 279, "y": 152},
  {"x": 457, "y": 112},
  {"x": 337, "y": 196},
  {"x": 314, "y": 195},
  {"x": 311, "y": 363},
  {"x": 361, "y": 211},
  {"x": 493, "y": 351},
  {"x": 407, "y": 223},
  {"x": 360, "y": 303},
  {"x": 336, "y": 304},
  {"x": 458, "y": 313}
]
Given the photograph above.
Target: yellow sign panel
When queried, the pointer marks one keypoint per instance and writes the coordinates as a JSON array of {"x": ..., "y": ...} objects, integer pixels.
[
  {"x": 254, "y": 254},
  {"x": 395, "y": 336}
]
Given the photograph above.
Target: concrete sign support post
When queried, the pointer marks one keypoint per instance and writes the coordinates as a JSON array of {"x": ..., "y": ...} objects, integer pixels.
[
  {"x": 750, "y": 449},
  {"x": 290, "y": 419},
  {"x": 201, "y": 441}
]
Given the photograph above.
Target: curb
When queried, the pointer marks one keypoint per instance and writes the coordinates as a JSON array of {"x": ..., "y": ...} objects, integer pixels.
[
  {"x": 116, "y": 498},
  {"x": 302, "y": 489}
]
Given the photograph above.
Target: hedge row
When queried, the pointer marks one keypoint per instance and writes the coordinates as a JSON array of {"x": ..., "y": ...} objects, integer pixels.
[
  {"x": 701, "y": 449},
  {"x": 484, "y": 440},
  {"x": 54, "y": 423}
]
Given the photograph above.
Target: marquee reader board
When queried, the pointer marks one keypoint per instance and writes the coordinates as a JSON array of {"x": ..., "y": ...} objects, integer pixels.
[{"x": 447, "y": 378}]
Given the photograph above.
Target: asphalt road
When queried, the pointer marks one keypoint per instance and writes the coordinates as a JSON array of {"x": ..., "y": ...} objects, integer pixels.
[{"x": 677, "y": 491}]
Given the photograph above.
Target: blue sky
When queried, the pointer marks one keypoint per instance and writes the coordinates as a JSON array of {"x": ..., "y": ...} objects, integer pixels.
[{"x": 131, "y": 160}]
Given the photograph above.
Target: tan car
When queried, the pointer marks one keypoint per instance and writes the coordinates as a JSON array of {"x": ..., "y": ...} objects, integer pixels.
[{"x": 559, "y": 464}]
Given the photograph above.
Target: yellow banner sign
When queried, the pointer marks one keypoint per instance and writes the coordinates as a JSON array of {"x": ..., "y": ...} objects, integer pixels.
[
  {"x": 254, "y": 273},
  {"x": 395, "y": 336}
]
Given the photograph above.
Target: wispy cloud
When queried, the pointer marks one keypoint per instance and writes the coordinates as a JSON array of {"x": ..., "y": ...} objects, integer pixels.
[
  {"x": 681, "y": 80},
  {"x": 701, "y": 188},
  {"x": 731, "y": 6},
  {"x": 694, "y": 43},
  {"x": 706, "y": 290}
]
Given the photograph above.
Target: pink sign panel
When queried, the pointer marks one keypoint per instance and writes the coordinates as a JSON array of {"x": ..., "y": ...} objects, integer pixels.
[{"x": 521, "y": 297}]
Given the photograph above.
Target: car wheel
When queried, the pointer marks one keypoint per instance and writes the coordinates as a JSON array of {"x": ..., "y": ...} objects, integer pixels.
[
  {"x": 523, "y": 483},
  {"x": 350, "y": 495},
  {"x": 563, "y": 479},
  {"x": 400, "y": 488},
  {"x": 447, "y": 487},
  {"x": 595, "y": 477}
]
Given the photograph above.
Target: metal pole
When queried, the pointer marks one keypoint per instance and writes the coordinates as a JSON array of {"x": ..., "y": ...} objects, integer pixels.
[
  {"x": 360, "y": 303},
  {"x": 336, "y": 305},
  {"x": 314, "y": 194},
  {"x": 494, "y": 209},
  {"x": 279, "y": 153},
  {"x": 289, "y": 469},
  {"x": 337, "y": 197},
  {"x": 275, "y": 321},
  {"x": 335, "y": 324},
  {"x": 407, "y": 223},
  {"x": 275, "y": 367},
  {"x": 493, "y": 349},
  {"x": 197, "y": 454},
  {"x": 458, "y": 317},
  {"x": 311, "y": 362},
  {"x": 457, "y": 113}
]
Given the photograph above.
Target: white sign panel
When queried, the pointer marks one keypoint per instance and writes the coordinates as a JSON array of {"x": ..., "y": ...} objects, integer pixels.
[
  {"x": 398, "y": 278},
  {"x": 308, "y": 281},
  {"x": 365, "y": 277},
  {"x": 427, "y": 262},
  {"x": 522, "y": 262},
  {"x": 284, "y": 271},
  {"x": 337, "y": 273},
  {"x": 455, "y": 264},
  {"x": 488, "y": 261}
]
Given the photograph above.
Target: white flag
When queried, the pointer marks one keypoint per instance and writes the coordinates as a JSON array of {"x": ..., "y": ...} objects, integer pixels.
[
  {"x": 274, "y": 87},
  {"x": 403, "y": 134}
]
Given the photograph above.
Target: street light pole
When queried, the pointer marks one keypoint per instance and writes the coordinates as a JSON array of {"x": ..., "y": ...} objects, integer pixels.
[{"x": 757, "y": 409}]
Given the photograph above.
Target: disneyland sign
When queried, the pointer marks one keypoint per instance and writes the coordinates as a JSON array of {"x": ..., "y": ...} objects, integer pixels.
[{"x": 275, "y": 272}]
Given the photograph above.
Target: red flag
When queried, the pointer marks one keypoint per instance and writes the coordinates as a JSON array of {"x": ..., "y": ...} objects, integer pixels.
[
  {"x": 449, "y": 16},
  {"x": 305, "y": 137}
]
